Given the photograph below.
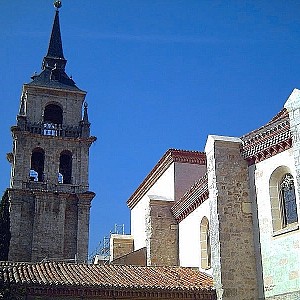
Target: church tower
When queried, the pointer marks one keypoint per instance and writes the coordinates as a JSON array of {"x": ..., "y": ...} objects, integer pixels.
[{"x": 49, "y": 189}]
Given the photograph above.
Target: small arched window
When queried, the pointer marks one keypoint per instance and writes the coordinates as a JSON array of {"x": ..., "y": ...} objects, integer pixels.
[
  {"x": 288, "y": 200},
  {"x": 37, "y": 165},
  {"x": 283, "y": 198},
  {"x": 65, "y": 167},
  {"x": 205, "y": 244}
]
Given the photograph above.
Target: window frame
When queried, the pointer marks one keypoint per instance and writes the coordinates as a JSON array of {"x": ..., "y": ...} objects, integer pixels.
[{"x": 279, "y": 225}]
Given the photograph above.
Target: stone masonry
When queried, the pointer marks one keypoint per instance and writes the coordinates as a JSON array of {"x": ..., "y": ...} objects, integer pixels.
[
  {"x": 162, "y": 234},
  {"x": 49, "y": 189},
  {"x": 120, "y": 245},
  {"x": 232, "y": 244}
]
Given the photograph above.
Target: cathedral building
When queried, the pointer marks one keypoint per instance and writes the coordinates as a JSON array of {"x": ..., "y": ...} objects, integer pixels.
[
  {"x": 222, "y": 223},
  {"x": 49, "y": 189},
  {"x": 50, "y": 202},
  {"x": 232, "y": 211}
]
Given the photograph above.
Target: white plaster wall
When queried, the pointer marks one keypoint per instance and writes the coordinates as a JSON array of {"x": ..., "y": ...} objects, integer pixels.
[
  {"x": 164, "y": 186},
  {"x": 280, "y": 254},
  {"x": 138, "y": 223},
  {"x": 164, "y": 189},
  {"x": 189, "y": 237}
]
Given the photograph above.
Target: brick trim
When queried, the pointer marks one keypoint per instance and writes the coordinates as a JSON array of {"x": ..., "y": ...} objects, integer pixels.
[{"x": 267, "y": 141}]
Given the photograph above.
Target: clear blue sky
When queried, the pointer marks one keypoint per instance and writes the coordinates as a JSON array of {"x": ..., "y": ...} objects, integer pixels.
[{"x": 159, "y": 74}]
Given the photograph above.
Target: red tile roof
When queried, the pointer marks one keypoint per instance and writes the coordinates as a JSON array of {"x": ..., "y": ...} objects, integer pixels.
[{"x": 104, "y": 278}]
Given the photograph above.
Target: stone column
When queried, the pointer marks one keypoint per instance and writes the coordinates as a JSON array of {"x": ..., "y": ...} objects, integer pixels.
[
  {"x": 293, "y": 107},
  {"x": 21, "y": 219},
  {"x": 232, "y": 243},
  {"x": 84, "y": 205},
  {"x": 161, "y": 234}
]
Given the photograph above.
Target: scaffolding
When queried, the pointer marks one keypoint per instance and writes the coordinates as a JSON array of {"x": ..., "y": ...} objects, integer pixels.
[{"x": 102, "y": 252}]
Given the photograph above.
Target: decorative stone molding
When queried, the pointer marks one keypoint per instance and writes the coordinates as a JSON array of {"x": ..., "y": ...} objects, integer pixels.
[
  {"x": 267, "y": 141},
  {"x": 192, "y": 199}
]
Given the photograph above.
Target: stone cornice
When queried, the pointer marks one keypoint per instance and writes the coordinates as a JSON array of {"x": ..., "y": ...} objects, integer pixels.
[
  {"x": 267, "y": 141},
  {"x": 27, "y": 86},
  {"x": 16, "y": 131},
  {"x": 192, "y": 199},
  {"x": 171, "y": 156}
]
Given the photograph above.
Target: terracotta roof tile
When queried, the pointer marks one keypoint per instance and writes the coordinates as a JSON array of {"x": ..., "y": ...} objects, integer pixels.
[{"x": 109, "y": 276}]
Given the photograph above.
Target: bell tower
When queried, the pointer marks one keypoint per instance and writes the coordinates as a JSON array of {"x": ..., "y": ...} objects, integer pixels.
[{"x": 49, "y": 189}]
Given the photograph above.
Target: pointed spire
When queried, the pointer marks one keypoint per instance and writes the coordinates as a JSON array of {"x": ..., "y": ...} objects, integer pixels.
[
  {"x": 85, "y": 124},
  {"x": 85, "y": 114},
  {"x": 55, "y": 55},
  {"x": 22, "y": 105},
  {"x": 55, "y": 45},
  {"x": 53, "y": 68}
]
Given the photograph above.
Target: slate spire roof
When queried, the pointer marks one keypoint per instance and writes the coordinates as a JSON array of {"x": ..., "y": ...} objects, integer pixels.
[
  {"x": 53, "y": 67},
  {"x": 55, "y": 50}
]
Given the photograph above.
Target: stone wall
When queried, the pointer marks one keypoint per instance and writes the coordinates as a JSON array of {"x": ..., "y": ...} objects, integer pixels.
[
  {"x": 279, "y": 248},
  {"x": 46, "y": 225},
  {"x": 232, "y": 244},
  {"x": 49, "y": 219},
  {"x": 162, "y": 234},
  {"x": 288, "y": 296},
  {"x": 36, "y": 99},
  {"x": 120, "y": 245}
]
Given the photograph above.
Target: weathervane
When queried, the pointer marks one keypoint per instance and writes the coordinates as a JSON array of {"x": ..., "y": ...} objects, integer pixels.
[{"x": 57, "y": 4}]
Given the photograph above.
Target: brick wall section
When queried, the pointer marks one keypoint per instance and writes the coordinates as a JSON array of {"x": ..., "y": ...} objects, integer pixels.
[
  {"x": 232, "y": 245},
  {"x": 161, "y": 234}
]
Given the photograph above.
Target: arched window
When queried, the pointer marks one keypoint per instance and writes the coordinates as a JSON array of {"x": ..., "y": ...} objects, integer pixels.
[
  {"x": 288, "y": 200},
  {"x": 283, "y": 198},
  {"x": 37, "y": 165},
  {"x": 205, "y": 244},
  {"x": 53, "y": 117},
  {"x": 65, "y": 167},
  {"x": 53, "y": 114}
]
